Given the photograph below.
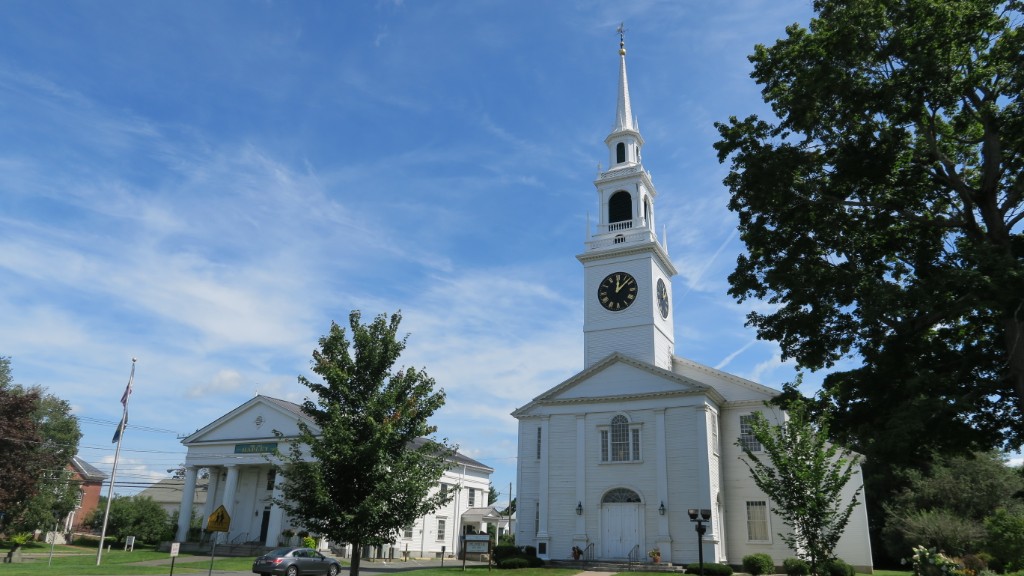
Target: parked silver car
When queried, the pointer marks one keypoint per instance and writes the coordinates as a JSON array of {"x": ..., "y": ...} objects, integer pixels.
[{"x": 295, "y": 562}]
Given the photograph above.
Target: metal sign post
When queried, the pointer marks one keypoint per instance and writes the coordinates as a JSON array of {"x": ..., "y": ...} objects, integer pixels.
[
  {"x": 219, "y": 521},
  {"x": 175, "y": 546}
]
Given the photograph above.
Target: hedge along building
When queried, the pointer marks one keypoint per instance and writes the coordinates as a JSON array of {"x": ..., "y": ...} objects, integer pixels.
[
  {"x": 612, "y": 459},
  {"x": 236, "y": 448}
]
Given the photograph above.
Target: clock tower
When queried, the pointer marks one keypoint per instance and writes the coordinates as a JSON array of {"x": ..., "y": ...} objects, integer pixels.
[{"x": 626, "y": 268}]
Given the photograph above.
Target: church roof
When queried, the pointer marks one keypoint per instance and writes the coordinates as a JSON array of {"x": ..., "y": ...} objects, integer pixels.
[{"x": 87, "y": 471}]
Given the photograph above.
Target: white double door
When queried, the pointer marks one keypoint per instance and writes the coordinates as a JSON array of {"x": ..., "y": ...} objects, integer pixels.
[{"x": 621, "y": 529}]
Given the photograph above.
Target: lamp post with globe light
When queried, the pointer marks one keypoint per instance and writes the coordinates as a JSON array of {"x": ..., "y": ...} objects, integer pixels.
[{"x": 700, "y": 517}]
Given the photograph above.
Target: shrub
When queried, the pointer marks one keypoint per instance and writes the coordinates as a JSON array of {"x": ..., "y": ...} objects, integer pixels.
[
  {"x": 710, "y": 569},
  {"x": 796, "y": 567},
  {"x": 837, "y": 567},
  {"x": 504, "y": 551},
  {"x": 309, "y": 542},
  {"x": 512, "y": 557},
  {"x": 513, "y": 563},
  {"x": 1006, "y": 538},
  {"x": 758, "y": 564}
]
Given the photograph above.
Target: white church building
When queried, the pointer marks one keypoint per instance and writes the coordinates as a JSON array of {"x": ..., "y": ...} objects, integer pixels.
[
  {"x": 612, "y": 459},
  {"x": 235, "y": 450}
]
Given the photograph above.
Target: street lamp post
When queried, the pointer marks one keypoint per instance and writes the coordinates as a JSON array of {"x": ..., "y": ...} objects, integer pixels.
[{"x": 700, "y": 517}]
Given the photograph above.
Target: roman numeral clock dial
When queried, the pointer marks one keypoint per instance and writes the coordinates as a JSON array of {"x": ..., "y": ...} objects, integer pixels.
[{"x": 617, "y": 291}]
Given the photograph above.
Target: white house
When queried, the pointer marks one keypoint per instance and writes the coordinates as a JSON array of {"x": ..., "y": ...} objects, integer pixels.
[
  {"x": 612, "y": 459},
  {"x": 235, "y": 449}
]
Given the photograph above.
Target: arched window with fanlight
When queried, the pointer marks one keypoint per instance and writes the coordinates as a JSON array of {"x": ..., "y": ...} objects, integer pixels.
[{"x": 620, "y": 440}]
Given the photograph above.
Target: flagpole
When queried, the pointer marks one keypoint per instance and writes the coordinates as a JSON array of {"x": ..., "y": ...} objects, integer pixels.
[{"x": 117, "y": 453}]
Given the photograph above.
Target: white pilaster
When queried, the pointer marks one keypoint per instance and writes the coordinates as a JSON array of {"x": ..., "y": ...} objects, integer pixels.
[
  {"x": 542, "y": 500},
  {"x": 580, "y": 538}
]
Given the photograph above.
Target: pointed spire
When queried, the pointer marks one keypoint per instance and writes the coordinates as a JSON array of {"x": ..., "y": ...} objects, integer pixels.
[{"x": 623, "y": 111}]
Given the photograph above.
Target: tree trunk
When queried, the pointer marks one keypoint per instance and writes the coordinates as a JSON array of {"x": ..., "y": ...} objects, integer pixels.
[
  {"x": 1015, "y": 360},
  {"x": 357, "y": 554}
]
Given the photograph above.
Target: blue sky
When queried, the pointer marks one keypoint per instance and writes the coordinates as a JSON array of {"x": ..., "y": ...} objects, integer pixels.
[{"x": 207, "y": 185}]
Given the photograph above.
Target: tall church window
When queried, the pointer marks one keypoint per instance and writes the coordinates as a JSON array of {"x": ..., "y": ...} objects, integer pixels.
[
  {"x": 757, "y": 521},
  {"x": 271, "y": 477},
  {"x": 714, "y": 433},
  {"x": 620, "y": 153},
  {"x": 441, "y": 527},
  {"x": 620, "y": 441},
  {"x": 538, "y": 442},
  {"x": 472, "y": 497},
  {"x": 620, "y": 207},
  {"x": 747, "y": 439}
]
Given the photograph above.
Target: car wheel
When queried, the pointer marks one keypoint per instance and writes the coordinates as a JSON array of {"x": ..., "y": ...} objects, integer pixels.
[
  {"x": 333, "y": 570},
  {"x": 292, "y": 571}
]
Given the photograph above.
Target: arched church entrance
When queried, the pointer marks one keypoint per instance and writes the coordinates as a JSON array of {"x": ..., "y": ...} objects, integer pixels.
[{"x": 621, "y": 523}]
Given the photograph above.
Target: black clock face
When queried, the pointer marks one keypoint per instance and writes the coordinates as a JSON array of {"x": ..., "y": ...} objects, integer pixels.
[
  {"x": 617, "y": 291},
  {"x": 662, "y": 298}
]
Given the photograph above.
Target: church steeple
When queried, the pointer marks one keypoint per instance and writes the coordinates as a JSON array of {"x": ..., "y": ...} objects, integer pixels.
[
  {"x": 623, "y": 111},
  {"x": 627, "y": 270},
  {"x": 624, "y": 142}
]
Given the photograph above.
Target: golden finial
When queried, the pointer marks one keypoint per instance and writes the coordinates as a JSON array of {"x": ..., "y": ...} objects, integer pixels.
[{"x": 622, "y": 38}]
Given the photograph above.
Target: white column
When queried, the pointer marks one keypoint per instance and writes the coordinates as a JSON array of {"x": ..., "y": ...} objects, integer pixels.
[
  {"x": 188, "y": 494},
  {"x": 229, "y": 494},
  {"x": 276, "y": 513},
  {"x": 211, "y": 494}
]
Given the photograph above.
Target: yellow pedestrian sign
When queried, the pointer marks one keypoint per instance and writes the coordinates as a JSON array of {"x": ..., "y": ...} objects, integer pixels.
[{"x": 219, "y": 520}]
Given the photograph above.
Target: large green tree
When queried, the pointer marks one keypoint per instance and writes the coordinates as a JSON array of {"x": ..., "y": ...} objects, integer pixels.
[
  {"x": 805, "y": 477},
  {"x": 370, "y": 465},
  {"x": 945, "y": 506},
  {"x": 882, "y": 214},
  {"x": 138, "y": 516},
  {"x": 38, "y": 438}
]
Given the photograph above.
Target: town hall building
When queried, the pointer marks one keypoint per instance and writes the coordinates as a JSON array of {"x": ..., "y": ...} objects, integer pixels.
[
  {"x": 612, "y": 460},
  {"x": 238, "y": 452}
]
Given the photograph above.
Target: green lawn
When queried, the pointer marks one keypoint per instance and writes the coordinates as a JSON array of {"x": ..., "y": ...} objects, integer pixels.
[
  {"x": 81, "y": 561},
  {"x": 74, "y": 561}
]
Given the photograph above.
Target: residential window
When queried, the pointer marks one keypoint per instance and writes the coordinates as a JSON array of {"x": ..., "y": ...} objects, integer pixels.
[
  {"x": 538, "y": 442},
  {"x": 441, "y": 524},
  {"x": 407, "y": 532},
  {"x": 757, "y": 521},
  {"x": 620, "y": 442},
  {"x": 472, "y": 497},
  {"x": 747, "y": 439},
  {"x": 271, "y": 477}
]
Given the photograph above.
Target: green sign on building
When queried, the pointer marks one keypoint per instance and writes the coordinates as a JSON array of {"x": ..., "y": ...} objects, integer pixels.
[{"x": 265, "y": 448}]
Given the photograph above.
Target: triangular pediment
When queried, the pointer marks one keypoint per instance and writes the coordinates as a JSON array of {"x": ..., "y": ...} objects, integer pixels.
[
  {"x": 255, "y": 420},
  {"x": 620, "y": 377}
]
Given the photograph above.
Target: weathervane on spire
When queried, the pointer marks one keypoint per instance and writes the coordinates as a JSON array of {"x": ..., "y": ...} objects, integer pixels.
[{"x": 622, "y": 38}]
